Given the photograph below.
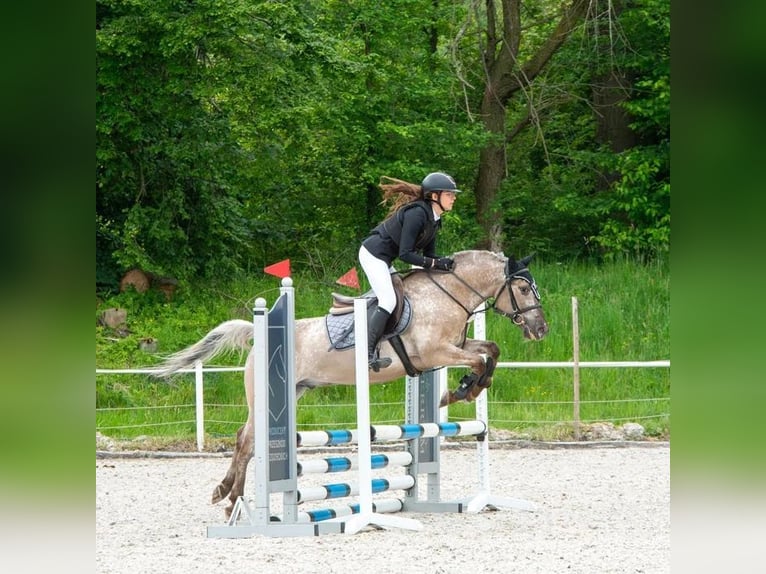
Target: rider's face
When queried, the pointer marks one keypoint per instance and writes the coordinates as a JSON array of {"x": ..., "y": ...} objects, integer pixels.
[{"x": 447, "y": 199}]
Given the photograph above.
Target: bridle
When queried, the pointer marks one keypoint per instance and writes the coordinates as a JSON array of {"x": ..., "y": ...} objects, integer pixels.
[{"x": 517, "y": 313}]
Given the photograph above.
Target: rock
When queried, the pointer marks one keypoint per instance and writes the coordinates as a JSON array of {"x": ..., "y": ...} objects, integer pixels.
[
  {"x": 136, "y": 279},
  {"x": 104, "y": 442},
  {"x": 601, "y": 431},
  {"x": 148, "y": 345},
  {"x": 633, "y": 431},
  {"x": 168, "y": 285},
  {"x": 113, "y": 318}
]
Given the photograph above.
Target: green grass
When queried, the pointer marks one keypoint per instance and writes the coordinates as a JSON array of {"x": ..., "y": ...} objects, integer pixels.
[{"x": 623, "y": 316}]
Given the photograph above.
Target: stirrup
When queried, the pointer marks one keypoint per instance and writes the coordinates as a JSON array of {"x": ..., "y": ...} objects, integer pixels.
[
  {"x": 380, "y": 363},
  {"x": 377, "y": 362}
]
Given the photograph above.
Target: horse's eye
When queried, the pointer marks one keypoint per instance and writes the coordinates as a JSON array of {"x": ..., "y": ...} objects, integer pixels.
[{"x": 525, "y": 290}]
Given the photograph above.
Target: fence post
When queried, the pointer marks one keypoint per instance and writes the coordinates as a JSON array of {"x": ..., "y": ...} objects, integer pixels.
[
  {"x": 199, "y": 405},
  {"x": 576, "y": 369},
  {"x": 482, "y": 406}
]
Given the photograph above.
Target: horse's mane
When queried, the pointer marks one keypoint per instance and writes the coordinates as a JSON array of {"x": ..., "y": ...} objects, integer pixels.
[
  {"x": 458, "y": 256},
  {"x": 476, "y": 253}
]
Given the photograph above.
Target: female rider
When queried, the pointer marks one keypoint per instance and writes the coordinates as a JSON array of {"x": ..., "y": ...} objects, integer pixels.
[{"x": 408, "y": 233}]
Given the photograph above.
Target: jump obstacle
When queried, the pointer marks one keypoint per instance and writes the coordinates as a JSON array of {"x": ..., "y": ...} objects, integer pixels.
[{"x": 275, "y": 460}]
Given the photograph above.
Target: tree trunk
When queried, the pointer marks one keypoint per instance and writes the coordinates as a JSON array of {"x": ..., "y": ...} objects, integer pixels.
[
  {"x": 610, "y": 89},
  {"x": 504, "y": 78},
  {"x": 613, "y": 122},
  {"x": 491, "y": 175}
]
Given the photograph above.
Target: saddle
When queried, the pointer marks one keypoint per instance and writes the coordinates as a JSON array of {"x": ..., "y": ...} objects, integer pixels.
[
  {"x": 340, "y": 322},
  {"x": 342, "y": 304}
]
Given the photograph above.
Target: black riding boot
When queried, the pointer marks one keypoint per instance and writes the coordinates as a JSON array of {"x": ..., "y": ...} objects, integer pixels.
[{"x": 376, "y": 325}]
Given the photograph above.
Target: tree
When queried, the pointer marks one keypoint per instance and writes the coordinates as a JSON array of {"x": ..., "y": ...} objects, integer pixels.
[
  {"x": 168, "y": 198},
  {"x": 234, "y": 133},
  {"x": 572, "y": 165},
  {"x": 635, "y": 211},
  {"x": 509, "y": 69}
]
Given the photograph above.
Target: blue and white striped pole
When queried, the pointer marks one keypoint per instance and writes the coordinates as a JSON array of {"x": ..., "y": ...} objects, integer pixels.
[
  {"x": 384, "y": 433},
  {"x": 344, "y": 463},
  {"x": 345, "y": 489},
  {"x": 385, "y": 505}
]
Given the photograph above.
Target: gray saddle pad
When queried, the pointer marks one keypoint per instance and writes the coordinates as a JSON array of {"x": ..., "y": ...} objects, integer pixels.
[{"x": 340, "y": 328}]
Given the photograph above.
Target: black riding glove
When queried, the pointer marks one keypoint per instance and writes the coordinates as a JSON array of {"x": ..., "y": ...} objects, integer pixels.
[{"x": 444, "y": 263}]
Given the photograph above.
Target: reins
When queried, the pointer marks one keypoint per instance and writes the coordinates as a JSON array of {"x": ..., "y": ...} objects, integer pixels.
[
  {"x": 451, "y": 296},
  {"x": 517, "y": 316}
]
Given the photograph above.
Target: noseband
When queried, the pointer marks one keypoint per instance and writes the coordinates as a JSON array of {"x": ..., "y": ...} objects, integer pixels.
[{"x": 517, "y": 314}]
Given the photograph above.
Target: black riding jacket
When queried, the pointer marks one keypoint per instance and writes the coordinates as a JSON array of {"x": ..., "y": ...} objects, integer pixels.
[{"x": 407, "y": 233}]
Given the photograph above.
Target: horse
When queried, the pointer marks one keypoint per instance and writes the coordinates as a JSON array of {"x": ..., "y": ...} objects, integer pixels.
[{"x": 442, "y": 304}]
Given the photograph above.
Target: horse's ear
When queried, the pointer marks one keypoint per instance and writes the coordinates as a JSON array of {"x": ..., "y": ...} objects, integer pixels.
[{"x": 524, "y": 262}]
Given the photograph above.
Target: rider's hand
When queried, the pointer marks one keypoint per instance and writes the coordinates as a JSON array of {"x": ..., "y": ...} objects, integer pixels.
[{"x": 444, "y": 263}]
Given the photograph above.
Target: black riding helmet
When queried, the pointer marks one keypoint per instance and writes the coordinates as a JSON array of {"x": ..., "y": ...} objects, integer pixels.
[{"x": 438, "y": 181}]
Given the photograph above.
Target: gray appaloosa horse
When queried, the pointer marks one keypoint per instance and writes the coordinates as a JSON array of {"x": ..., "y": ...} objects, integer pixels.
[{"x": 441, "y": 303}]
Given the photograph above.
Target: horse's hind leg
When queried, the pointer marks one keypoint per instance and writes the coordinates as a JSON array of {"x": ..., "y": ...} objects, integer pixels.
[
  {"x": 220, "y": 491},
  {"x": 245, "y": 453}
]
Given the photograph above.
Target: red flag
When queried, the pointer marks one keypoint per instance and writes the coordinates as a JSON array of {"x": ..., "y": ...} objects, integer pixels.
[
  {"x": 349, "y": 279},
  {"x": 281, "y": 269}
]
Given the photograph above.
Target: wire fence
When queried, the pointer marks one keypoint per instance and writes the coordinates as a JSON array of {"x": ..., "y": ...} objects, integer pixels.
[{"x": 210, "y": 419}]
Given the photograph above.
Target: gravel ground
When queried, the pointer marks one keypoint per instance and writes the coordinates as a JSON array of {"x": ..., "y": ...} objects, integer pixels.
[{"x": 600, "y": 509}]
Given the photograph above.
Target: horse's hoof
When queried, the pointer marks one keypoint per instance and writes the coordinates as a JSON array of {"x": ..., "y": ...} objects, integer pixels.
[
  {"x": 460, "y": 393},
  {"x": 464, "y": 389},
  {"x": 228, "y": 511},
  {"x": 218, "y": 494}
]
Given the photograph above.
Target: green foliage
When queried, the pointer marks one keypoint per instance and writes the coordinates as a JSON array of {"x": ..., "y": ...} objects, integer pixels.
[
  {"x": 567, "y": 195},
  {"x": 237, "y": 133},
  {"x": 233, "y": 134},
  {"x": 165, "y": 152},
  {"x": 637, "y": 213}
]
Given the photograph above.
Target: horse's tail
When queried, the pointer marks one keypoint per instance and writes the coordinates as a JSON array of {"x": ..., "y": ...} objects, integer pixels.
[{"x": 234, "y": 334}]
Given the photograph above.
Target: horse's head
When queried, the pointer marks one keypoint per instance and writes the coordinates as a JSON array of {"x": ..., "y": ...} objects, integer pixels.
[{"x": 519, "y": 300}]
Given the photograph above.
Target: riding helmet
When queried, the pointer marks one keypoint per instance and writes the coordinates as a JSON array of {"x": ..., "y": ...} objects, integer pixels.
[{"x": 438, "y": 181}]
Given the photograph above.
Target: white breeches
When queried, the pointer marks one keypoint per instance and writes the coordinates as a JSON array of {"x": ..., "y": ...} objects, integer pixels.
[{"x": 379, "y": 276}]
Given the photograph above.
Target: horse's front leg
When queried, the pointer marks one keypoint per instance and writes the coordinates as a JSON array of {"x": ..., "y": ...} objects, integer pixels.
[
  {"x": 492, "y": 352},
  {"x": 480, "y": 377}
]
